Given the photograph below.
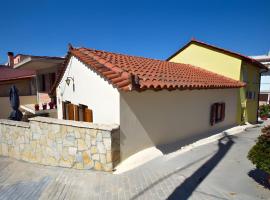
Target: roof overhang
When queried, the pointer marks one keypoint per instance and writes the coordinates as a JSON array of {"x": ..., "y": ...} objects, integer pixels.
[
  {"x": 36, "y": 64},
  {"x": 11, "y": 80}
]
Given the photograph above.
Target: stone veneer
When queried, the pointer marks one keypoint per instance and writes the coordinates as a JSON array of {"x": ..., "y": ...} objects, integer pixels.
[{"x": 64, "y": 143}]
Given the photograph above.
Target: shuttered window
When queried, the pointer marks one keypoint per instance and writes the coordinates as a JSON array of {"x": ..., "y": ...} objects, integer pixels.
[
  {"x": 88, "y": 115},
  {"x": 64, "y": 110},
  {"x": 217, "y": 113},
  {"x": 71, "y": 112},
  {"x": 77, "y": 113}
]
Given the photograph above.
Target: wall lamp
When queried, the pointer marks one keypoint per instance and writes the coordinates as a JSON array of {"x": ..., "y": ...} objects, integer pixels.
[{"x": 68, "y": 79}]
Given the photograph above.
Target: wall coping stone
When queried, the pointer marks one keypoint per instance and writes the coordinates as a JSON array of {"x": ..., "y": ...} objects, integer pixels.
[
  {"x": 106, "y": 127},
  {"x": 14, "y": 123}
]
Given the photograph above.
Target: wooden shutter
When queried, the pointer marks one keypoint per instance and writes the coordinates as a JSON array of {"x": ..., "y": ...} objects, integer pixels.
[
  {"x": 213, "y": 114},
  {"x": 70, "y": 111},
  {"x": 81, "y": 109},
  {"x": 64, "y": 110},
  {"x": 76, "y": 113},
  {"x": 88, "y": 115},
  {"x": 222, "y": 111}
]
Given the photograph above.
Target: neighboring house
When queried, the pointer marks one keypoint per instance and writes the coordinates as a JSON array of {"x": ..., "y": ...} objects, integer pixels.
[
  {"x": 23, "y": 80},
  {"x": 265, "y": 79},
  {"x": 229, "y": 64},
  {"x": 264, "y": 97},
  {"x": 155, "y": 102},
  {"x": 45, "y": 67},
  {"x": 32, "y": 75}
]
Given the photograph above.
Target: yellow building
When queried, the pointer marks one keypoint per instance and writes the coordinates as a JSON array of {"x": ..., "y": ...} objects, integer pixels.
[{"x": 229, "y": 64}]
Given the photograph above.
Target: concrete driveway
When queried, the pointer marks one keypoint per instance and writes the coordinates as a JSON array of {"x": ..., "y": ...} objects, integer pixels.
[{"x": 219, "y": 170}]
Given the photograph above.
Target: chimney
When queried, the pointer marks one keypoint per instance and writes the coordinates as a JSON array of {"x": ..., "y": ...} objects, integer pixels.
[{"x": 10, "y": 59}]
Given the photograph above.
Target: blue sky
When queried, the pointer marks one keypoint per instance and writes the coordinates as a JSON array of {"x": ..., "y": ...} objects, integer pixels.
[{"x": 153, "y": 29}]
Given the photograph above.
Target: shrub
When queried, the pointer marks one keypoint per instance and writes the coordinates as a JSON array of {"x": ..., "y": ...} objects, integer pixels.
[
  {"x": 259, "y": 154},
  {"x": 264, "y": 110}
]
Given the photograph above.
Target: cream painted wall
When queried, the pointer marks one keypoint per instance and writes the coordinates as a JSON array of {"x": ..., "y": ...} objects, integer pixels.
[
  {"x": 91, "y": 90},
  {"x": 5, "y": 107},
  {"x": 210, "y": 60},
  {"x": 229, "y": 66},
  {"x": 152, "y": 118}
]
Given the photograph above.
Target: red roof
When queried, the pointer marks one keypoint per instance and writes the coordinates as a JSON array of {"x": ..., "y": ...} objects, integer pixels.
[
  {"x": 245, "y": 58},
  {"x": 7, "y": 73},
  {"x": 137, "y": 73}
]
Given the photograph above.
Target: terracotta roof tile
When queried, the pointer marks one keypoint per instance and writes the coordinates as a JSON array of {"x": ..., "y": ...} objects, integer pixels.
[{"x": 137, "y": 73}]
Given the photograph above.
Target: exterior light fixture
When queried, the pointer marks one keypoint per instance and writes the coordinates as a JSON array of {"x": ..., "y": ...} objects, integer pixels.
[{"x": 68, "y": 79}]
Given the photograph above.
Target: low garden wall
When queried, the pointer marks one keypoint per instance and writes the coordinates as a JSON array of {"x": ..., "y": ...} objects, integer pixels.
[{"x": 64, "y": 143}]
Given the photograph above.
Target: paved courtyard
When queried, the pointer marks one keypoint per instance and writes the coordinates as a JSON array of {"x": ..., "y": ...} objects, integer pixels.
[{"x": 219, "y": 170}]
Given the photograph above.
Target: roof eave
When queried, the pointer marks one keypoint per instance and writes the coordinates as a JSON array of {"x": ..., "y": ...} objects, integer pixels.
[
  {"x": 17, "y": 78},
  {"x": 28, "y": 63}
]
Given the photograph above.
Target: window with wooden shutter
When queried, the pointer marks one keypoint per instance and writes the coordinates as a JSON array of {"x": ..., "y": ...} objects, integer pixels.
[
  {"x": 81, "y": 112},
  {"x": 213, "y": 114},
  {"x": 65, "y": 105},
  {"x": 222, "y": 111},
  {"x": 88, "y": 115},
  {"x": 217, "y": 113},
  {"x": 64, "y": 110},
  {"x": 70, "y": 111},
  {"x": 76, "y": 113}
]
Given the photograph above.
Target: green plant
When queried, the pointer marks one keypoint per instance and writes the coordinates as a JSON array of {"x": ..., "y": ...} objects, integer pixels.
[
  {"x": 264, "y": 110},
  {"x": 259, "y": 154}
]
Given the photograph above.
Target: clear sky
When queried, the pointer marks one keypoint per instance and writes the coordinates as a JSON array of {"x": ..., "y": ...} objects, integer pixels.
[{"x": 153, "y": 29}]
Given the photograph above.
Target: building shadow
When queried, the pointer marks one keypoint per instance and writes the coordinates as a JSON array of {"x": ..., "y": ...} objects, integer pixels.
[
  {"x": 260, "y": 177},
  {"x": 168, "y": 176},
  {"x": 176, "y": 145},
  {"x": 185, "y": 189},
  {"x": 190, "y": 184}
]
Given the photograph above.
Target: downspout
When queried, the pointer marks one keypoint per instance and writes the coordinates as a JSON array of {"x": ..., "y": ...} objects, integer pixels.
[{"x": 258, "y": 97}]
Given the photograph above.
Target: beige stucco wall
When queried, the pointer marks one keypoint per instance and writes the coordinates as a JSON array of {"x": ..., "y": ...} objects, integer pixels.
[
  {"x": 5, "y": 107},
  {"x": 152, "y": 118}
]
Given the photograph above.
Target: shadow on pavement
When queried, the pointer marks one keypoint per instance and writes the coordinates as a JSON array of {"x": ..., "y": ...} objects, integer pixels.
[
  {"x": 260, "y": 177},
  {"x": 176, "y": 145},
  {"x": 190, "y": 184},
  {"x": 167, "y": 176},
  {"x": 185, "y": 189}
]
